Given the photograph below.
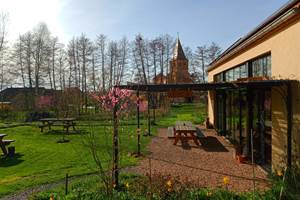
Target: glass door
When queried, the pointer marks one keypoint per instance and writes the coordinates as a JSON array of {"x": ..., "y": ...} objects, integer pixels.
[{"x": 262, "y": 127}]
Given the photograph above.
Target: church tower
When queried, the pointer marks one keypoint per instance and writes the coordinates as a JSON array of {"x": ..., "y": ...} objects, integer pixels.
[
  {"x": 179, "y": 74},
  {"x": 179, "y": 71}
]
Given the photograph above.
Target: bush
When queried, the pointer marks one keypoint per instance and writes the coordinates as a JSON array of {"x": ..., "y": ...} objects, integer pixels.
[
  {"x": 160, "y": 187},
  {"x": 285, "y": 184}
]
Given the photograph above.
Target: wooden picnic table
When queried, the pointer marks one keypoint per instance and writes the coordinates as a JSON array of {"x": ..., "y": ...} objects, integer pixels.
[
  {"x": 65, "y": 122},
  {"x": 183, "y": 123},
  {"x": 185, "y": 130},
  {"x": 4, "y": 143}
]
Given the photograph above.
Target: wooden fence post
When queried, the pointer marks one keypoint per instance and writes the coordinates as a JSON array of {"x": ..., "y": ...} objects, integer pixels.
[{"x": 115, "y": 175}]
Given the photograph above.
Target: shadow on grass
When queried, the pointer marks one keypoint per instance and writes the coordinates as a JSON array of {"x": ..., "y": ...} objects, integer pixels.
[
  {"x": 212, "y": 144},
  {"x": 8, "y": 161},
  {"x": 63, "y": 132}
]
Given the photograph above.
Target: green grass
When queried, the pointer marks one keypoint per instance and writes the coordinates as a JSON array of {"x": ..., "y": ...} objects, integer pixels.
[
  {"x": 184, "y": 112},
  {"x": 40, "y": 159}
]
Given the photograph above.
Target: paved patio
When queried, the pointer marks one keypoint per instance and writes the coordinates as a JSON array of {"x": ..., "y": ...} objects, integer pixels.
[{"x": 205, "y": 165}]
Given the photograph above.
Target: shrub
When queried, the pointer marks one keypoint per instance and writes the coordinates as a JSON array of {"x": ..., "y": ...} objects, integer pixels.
[{"x": 285, "y": 184}]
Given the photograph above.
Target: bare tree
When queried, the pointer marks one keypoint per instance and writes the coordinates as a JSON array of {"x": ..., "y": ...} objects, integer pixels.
[
  {"x": 140, "y": 56},
  {"x": 3, "y": 34},
  {"x": 62, "y": 69},
  {"x": 154, "y": 53},
  {"x": 112, "y": 56},
  {"x": 101, "y": 47},
  {"x": 168, "y": 44},
  {"x": 193, "y": 67},
  {"x": 3, "y": 29},
  {"x": 202, "y": 61},
  {"x": 53, "y": 51},
  {"x": 123, "y": 56},
  {"x": 85, "y": 50},
  {"x": 27, "y": 40},
  {"x": 40, "y": 52},
  {"x": 214, "y": 50},
  {"x": 18, "y": 59},
  {"x": 161, "y": 48}
]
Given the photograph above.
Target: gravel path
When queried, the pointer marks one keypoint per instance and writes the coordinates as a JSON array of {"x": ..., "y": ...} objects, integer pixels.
[{"x": 205, "y": 165}]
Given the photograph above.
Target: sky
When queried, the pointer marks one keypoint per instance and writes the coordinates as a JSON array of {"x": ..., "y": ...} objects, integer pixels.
[{"x": 198, "y": 22}]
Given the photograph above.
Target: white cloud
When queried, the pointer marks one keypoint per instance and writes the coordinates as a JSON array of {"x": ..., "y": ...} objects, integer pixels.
[{"x": 25, "y": 14}]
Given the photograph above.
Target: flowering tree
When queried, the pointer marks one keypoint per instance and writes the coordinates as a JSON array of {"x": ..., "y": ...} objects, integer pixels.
[
  {"x": 116, "y": 98},
  {"x": 115, "y": 101}
]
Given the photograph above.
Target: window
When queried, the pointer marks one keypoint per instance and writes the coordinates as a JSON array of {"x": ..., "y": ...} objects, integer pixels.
[
  {"x": 234, "y": 74},
  {"x": 218, "y": 77},
  {"x": 244, "y": 70},
  {"x": 262, "y": 66}
]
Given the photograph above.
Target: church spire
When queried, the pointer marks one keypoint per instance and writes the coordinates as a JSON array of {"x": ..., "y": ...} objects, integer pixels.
[{"x": 178, "y": 51}]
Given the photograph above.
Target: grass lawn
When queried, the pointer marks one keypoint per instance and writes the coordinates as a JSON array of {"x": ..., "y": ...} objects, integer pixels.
[
  {"x": 40, "y": 159},
  {"x": 184, "y": 112}
]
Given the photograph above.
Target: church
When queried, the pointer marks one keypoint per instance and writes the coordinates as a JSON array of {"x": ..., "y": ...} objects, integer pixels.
[
  {"x": 179, "y": 73},
  {"x": 179, "y": 66}
]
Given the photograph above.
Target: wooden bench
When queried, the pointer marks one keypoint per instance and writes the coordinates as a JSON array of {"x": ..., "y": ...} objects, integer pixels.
[
  {"x": 7, "y": 142},
  {"x": 199, "y": 133},
  {"x": 42, "y": 126},
  {"x": 67, "y": 125},
  {"x": 4, "y": 143},
  {"x": 171, "y": 132}
]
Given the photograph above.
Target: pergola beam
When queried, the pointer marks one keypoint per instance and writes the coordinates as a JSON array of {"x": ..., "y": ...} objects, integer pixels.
[{"x": 203, "y": 86}]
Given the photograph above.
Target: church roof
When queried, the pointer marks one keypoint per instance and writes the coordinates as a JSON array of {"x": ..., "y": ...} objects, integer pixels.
[{"x": 178, "y": 51}]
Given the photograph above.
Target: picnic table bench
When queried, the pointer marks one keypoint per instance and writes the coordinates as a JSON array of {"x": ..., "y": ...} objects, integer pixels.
[
  {"x": 66, "y": 123},
  {"x": 4, "y": 143},
  {"x": 185, "y": 130}
]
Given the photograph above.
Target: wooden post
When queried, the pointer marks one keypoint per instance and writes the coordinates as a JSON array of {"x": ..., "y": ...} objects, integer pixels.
[
  {"x": 149, "y": 117},
  {"x": 154, "y": 106},
  {"x": 115, "y": 175},
  {"x": 138, "y": 123},
  {"x": 138, "y": 108}
]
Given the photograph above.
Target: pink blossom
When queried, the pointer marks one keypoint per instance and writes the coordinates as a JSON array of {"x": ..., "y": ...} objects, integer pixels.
[{"x": 115, "y": 98}]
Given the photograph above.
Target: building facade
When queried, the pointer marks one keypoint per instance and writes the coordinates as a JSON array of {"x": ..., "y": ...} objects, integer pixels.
[{"x": 269, "y": 52}]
